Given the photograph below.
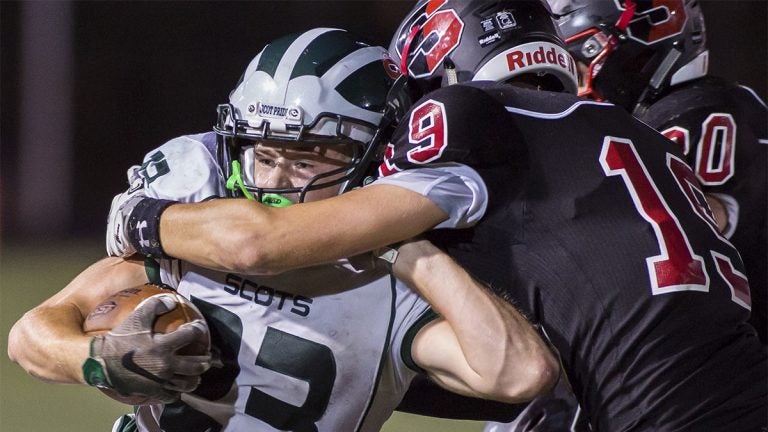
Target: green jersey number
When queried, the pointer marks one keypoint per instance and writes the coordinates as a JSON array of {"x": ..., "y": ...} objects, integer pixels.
[
  {"x": 280, "y": 352},
  {"x": 155, "y": 166}
]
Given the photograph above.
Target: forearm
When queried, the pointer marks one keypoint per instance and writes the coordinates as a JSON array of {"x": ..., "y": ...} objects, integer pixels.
[
  {"x": 48, "y": 341},
  {"x": 719, "y": 211},
  {"x": 500, "y": 354},
  {"x": 49, "y": 344},
  {"x": 246, "y": 237}
]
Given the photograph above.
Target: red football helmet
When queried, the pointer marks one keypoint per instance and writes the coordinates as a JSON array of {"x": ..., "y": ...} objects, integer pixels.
[
  {"x": 441, "y": 42},
  {"x": 633, "y": 49}
]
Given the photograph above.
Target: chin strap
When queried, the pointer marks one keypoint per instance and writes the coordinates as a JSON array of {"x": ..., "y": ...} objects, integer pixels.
[
  {"x": 235, "y": 181},
  {"x": 450, "y": 71}
]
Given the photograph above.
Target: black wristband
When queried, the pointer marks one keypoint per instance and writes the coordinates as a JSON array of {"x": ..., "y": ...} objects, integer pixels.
[{"x": 144, "y": 227}]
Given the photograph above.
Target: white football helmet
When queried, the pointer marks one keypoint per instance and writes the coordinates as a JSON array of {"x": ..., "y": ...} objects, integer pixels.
[{"x": 321, "y": 87}]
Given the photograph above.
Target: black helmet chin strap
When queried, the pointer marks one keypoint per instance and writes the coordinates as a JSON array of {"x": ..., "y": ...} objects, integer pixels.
[{"x": 450, "y": 71}]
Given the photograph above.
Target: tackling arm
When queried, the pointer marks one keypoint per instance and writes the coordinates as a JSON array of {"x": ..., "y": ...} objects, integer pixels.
[
  {"x": 247, "y": 237},
  {"x": 481, "y": 346},
  {"x": 53, "y": 330}
]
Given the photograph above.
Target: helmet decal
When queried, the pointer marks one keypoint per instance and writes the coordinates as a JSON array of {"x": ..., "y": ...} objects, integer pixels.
[
  {"x": 273, "y": 53},
  {"x": 654, "y": 20},
  {"x": 390, "y": 67},
  {"x": 367, "y": 86},
  {"x": 441, "y": 32},
  {"x": 407, "y": 49},
  {"x": 443, "y": 42},
  {"x": 324, "y": 52}
]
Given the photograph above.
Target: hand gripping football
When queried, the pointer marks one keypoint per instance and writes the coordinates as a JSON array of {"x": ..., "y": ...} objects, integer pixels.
[{"x": 113, "y": 310}]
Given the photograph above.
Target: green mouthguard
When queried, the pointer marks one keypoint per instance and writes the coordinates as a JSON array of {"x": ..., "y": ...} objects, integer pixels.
[{"x": 275, "y": 200}]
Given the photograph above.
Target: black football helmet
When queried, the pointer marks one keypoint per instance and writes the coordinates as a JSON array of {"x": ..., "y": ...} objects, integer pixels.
[
  {"x": 442, "y": 42},
  {"x": 634, "y": 49},
  {"x": 321, "y": 87}
]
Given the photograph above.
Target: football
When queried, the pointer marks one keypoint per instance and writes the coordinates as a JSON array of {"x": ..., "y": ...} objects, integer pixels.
[{"x": 113, "y": 310}]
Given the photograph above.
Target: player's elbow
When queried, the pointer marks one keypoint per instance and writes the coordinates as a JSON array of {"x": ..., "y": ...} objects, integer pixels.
[
  {"x": 521, "y": 382},
  {"x": 538, "y": 378},
  {"x": 42, "y": 352},
  {"x": 245, "y": 258},
  {"x": 13, "y": 344},
  {"x": 17, "y": 341},
  {"x": 251, "y": 254},
  {"x": 258, "y": 248}
]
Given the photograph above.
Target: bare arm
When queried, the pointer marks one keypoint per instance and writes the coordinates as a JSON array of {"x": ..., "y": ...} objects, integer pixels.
[
  {"x": 247, "y": 237},
  {"x": 48, "y": 341},
  {"x": 719, "y": 210},
  {"x": 481, "y": 345}
]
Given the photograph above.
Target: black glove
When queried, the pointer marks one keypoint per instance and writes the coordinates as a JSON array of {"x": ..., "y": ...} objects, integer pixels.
[{"x": 133, "y": 360}]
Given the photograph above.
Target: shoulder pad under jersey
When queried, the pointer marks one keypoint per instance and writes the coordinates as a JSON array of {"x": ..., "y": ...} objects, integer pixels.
[
  {"x": 458, "y": 123},
  {"x": 183, "y": 169}
]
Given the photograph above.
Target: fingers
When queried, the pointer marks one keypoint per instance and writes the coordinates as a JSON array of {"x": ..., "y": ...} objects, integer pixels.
[
  {"x": 191, "y": 365},
  {"x": 158, "y": 304},
  {"x": 182, "y": 384},
  {"x": 133, "y": 174},
  {"x": 148, "y": 310},
  {"x": 166, "y": 396},
  {"x": 184, "y": 335}
]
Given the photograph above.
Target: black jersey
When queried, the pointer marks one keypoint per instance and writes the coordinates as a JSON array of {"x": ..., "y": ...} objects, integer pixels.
[
  {"x": 723, "y": 131},
  {"x": 598, "y": 230}
]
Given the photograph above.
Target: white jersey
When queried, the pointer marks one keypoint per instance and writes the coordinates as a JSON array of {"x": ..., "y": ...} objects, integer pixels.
[{"x": 325, "y": 348}]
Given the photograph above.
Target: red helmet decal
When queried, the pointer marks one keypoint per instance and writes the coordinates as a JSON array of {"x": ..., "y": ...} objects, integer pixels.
[
  {"x": 441, "y": 31},
  {"x": 434, "y": 5},
  {"x": 654, "y": 20},
  {"x": 406, "y": 49},
  {"x": 391, "y": 68}
]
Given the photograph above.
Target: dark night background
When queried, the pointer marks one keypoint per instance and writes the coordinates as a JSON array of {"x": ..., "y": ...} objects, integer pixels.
[{"x": 135, "y": 74}]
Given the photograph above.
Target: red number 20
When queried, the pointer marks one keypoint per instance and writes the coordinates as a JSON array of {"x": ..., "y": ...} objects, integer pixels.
[
  {"x": 677, "y": 267},
  {"x": 716, "y": 151}
]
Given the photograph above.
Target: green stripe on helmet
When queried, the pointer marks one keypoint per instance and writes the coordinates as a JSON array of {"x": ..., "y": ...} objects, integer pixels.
[
  {"x": 274, "y": 52},
  {"x": 367, "y": 87},
  {"x": 325, "y": 51}
]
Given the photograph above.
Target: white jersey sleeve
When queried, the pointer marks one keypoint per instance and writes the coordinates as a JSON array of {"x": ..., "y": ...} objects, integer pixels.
[
  {"x": 456, "y": 188},
  {"x": 184, "y": 169}
]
